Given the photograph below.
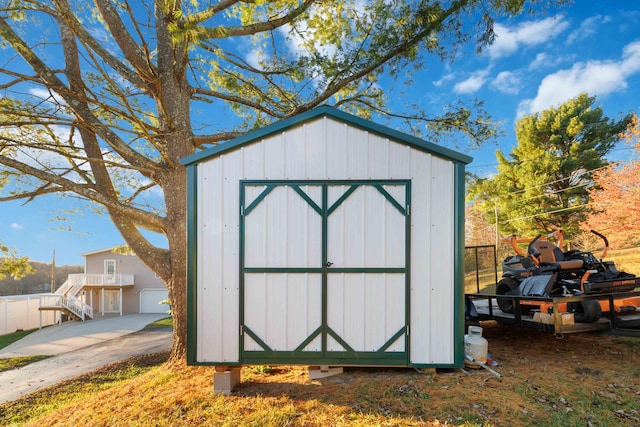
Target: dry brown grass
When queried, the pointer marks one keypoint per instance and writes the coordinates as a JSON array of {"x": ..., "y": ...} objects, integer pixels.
[
  {"x": 584, "y": 379},
  {"x": 626, "y": 259}
]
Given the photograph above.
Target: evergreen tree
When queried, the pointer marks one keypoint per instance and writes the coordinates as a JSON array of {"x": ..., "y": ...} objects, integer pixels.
[{"x": 542, "y": 185}]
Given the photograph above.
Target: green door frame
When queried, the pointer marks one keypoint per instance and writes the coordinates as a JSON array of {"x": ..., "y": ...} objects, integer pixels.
[{"x": 299, "y": 355}]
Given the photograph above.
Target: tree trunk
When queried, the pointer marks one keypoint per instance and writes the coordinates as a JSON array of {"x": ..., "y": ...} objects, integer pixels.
[
  {"x": 175, "y": 199},
  {"x": 174, "y": 107}
]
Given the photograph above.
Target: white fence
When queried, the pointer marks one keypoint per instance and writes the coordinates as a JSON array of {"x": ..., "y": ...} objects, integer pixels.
[{"x": 21, "y": 312}]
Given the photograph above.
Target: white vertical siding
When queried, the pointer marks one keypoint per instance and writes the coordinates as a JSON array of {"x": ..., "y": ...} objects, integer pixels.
[
  {"x": 283, "y": 230},
  {"x": 442, "y": 271},
  {"x": 283, "y": 309},
  {"x": 366, "y": 230},
  {"x": 218, "y": 251},
  {"x": 366, "y": 310},
  {"x": 432, "y": 275},
  {"x": 329, "y": 150}
]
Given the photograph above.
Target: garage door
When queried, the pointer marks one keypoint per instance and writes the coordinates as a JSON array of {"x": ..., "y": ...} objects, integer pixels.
[
  {"x": 325, "y": 271},
  {"x": 150, "y": 301}
]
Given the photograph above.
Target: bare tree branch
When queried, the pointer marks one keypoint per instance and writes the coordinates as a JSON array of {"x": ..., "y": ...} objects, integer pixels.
[
  {"x": 260, "y": 27},
  {"x": 141, "y": 217}
]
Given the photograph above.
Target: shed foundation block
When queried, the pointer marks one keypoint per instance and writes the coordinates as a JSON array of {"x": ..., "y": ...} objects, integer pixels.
[
  {"x": 225, "y": 381},
  {"x": 317, "y": 372}
]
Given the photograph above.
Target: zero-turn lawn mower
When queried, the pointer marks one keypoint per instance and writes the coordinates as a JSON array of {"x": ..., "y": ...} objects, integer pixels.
[{"x": 546, "y": 271}]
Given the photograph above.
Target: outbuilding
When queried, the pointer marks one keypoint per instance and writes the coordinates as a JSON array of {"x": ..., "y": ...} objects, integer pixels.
[{"x": 326, "y": 239}]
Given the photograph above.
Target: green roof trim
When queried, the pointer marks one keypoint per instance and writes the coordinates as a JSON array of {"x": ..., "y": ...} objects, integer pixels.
[{"x": 333, "y": 113}]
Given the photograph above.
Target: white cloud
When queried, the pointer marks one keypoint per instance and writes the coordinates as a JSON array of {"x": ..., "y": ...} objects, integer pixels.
[
  {"x": 16, "y": 226},
  {"x": 48, "y": 96},
  {"x": 540, "y": 60},
  {"x": 587, "y": 28},
  {"x": 473, "y": 83},
  {"x": 445, "y": 79},
  {"x": 594, "y": 77},
  {"x": 507, "y": 82},
  {"x": 510, "y": 39},
  {"x": 545, "y": 60},
  {"x": 255, "y": 57}
]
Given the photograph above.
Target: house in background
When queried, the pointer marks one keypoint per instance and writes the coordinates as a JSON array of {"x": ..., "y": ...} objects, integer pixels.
[{"x": 112, "y": 283}]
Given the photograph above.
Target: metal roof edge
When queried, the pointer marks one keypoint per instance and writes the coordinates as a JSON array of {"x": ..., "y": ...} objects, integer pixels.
[
  {"x": 334, "y": 113},
  {"x": 97, "y": 251}
]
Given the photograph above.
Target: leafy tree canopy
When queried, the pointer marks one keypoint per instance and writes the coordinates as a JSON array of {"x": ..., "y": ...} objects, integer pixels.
[
  {"x": 542, "y": 185},
  {"x": 13, "y": 265},
  {"x": 106, "y": 97},
  {"x": 615, "y": 197}
]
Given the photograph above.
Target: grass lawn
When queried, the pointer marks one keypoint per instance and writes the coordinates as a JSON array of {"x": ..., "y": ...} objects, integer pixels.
[
  {"x": 7, "y": 339},
  {"x": 16, "y": 362},
  {"x": 165, "y": 322},
  {"x": 586, "y": 379},
  {"x": 19, "y": 362},
  {"x": 581, "y": 380}
]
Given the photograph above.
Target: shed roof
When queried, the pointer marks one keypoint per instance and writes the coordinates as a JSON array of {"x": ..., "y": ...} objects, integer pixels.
[{"x": 333, "y": 113}]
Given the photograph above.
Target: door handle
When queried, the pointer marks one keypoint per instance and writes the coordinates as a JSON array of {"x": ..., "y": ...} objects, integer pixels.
[{"x": 329, "y": 263}]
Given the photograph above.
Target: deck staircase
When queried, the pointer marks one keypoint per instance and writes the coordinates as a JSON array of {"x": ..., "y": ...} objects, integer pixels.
[{"x": 67, "y": 300}]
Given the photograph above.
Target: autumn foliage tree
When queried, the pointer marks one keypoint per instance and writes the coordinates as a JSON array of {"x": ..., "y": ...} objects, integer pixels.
[
  {"x": 478, "y": 231},
  {"x": 615, "y": 197}
]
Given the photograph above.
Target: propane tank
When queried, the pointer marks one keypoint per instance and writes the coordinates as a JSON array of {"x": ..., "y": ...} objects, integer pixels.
[{"x": 476, "y": 346}]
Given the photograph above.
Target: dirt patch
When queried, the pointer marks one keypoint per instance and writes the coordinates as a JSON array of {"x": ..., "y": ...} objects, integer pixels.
[{"x": 590, "y": 379}]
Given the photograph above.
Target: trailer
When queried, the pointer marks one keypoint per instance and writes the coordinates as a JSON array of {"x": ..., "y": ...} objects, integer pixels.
[
  {"x": 554, "y": 313},
  {"x": 556, "y": 320}
]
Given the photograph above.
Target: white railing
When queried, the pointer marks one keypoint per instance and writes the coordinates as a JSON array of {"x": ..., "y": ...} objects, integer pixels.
[
  {"x": 82, "y": 280},
  {"x": 71, "y": 303},
  {"x": 77, "y": 307},
  {"x": 76, "y": 283},
  {"x": 22, "y": 311},
  {"x": 73, "y": 285},
  {"x": 65, "y": 286},
  {"x": 51, "y": 301}
]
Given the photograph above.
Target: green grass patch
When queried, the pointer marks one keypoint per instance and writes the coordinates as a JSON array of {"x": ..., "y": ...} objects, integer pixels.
[
  {"x": 19, "y": 362},
  {"x": 7, "y": 339},
  {"x": 166, "y": 322},
  {"x": 50, "y": 399}
]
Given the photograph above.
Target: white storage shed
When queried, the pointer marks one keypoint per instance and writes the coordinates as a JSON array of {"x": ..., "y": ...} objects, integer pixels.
[{"x": 326, "y": 239}]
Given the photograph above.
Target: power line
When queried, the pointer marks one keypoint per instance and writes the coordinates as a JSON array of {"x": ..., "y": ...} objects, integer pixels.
[
  {"x": 552, "y": 192},
  {"x": 472, "y": 166},
  {"x": 561, "y": 179},
  {"x": 542, "y": 214}
]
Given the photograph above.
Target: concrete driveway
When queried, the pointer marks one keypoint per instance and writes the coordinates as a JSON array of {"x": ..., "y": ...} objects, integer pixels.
[{"x": 78, "y": 348}]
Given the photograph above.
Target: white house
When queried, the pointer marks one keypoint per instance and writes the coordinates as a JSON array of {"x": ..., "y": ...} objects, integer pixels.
[
  {"x": 325, "y": 239},
  {"x": 112, "y": 283}
]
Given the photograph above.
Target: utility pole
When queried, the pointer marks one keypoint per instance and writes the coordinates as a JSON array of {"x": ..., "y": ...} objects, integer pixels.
[
  {"x": 495, "y": 212},
  {"x": 53, "y": 273}
]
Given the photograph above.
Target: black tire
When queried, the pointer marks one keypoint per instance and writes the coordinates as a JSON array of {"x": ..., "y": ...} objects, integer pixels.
[
  {"x": 587, "y": 311},
  {"x": 506, "y": 286}
]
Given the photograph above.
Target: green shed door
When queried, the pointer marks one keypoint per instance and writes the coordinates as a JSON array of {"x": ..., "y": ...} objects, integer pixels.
[{"x": 324, "y": 272}]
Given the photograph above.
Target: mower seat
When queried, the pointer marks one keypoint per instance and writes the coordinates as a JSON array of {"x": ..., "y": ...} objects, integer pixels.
[{"x": 551, "y": 255}]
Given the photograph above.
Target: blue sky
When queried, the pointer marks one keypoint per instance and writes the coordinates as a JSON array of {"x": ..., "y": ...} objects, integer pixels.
[{"x": 536, "y": 62}]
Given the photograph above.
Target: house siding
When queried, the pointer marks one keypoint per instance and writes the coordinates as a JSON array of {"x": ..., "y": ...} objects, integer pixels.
[{"x": 144, "y": 278}]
